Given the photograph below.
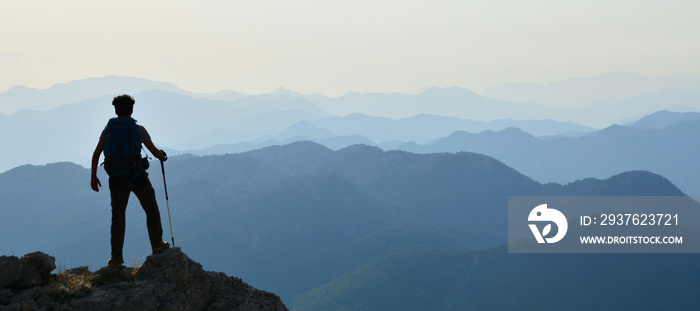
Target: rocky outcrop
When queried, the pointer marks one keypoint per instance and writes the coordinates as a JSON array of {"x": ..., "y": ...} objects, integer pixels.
[
  {"x": 166, "y": 281},
  {"x": 29, "y": 271}
]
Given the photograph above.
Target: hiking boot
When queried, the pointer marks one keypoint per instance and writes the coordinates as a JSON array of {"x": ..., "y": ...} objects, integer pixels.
[
  {"x": 116, "y": 261},
  {"x": 160, "y": 247}
]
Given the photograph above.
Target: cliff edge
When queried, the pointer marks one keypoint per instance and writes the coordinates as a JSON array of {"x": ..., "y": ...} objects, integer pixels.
[{"x": 166, "y": 281}]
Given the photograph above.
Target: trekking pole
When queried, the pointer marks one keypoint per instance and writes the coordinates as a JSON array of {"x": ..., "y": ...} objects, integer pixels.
[{"x": 162, "y": 168}]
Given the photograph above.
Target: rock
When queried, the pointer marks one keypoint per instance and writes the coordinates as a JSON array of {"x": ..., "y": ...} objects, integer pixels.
[
  {"x": 36, "y": 269},
  {"x": 30, "y": 278},
  {"x": 78, "y": 270},
  {"x": 5, "y": 295},
  {"x": 169, "y": 266},
  {"x": 111, "y": 274},
  {"x": 10, "y": 271},
  {"x": 167, "y": 281},
  {"x": 29, "y": 271}
]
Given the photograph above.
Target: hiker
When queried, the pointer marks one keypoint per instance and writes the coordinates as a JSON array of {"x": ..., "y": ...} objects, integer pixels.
[{"x": 121, "y": 143}]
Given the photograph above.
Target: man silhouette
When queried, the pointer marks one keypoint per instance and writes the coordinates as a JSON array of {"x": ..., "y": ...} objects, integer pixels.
[{"x": 127, "y": 174}]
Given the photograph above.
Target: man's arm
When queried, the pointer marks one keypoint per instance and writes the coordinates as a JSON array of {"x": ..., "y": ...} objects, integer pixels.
[
  {"x": 94, "y": 182},
  {"x": 154, "y": 151}
]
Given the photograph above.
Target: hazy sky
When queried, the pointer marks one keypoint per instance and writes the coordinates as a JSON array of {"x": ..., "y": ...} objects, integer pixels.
[{"x": 332, "y": 47}]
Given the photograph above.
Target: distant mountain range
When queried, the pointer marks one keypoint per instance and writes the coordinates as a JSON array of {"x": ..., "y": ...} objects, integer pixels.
[
  {"x": 563, "y": 152},
  {"x": 609, "y": 88},
  {"x": 664, "y": 119},
  {"x": 663, "y": 142},
  {"x": 180, "y": 122},
  {"x": 597, "y": 101},
  {"x": 20, "y": 97},
  {"x": 544, "y": 149},
  {"x": 465, "y": 104},
  {"x": 660, "y": 142},
  {"x": 70, "y": 132},
  {"x": 316, "y": 225},
  {"x": 338, "y": 132}
]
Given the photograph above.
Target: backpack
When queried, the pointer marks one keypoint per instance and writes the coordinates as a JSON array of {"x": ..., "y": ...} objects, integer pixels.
[{"x": 122, "y": 148}]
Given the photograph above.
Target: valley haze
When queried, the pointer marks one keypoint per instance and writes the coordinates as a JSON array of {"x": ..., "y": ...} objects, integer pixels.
[{"x": 228, "y": 121}]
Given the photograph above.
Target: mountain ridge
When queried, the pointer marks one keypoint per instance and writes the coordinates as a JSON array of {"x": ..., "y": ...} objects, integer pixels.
[
  {"x": 294, "y": 217},
  {"x": 667, "y": 150}
]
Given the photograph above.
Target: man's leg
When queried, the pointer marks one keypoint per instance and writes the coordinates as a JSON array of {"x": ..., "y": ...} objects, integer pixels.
[
  {"x": 119, "y": 189},
  {"x": 147, "y": 197}
]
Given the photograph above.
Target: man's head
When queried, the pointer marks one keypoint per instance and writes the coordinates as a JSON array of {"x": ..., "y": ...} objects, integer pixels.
[{"x": 123, "y": 105}]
